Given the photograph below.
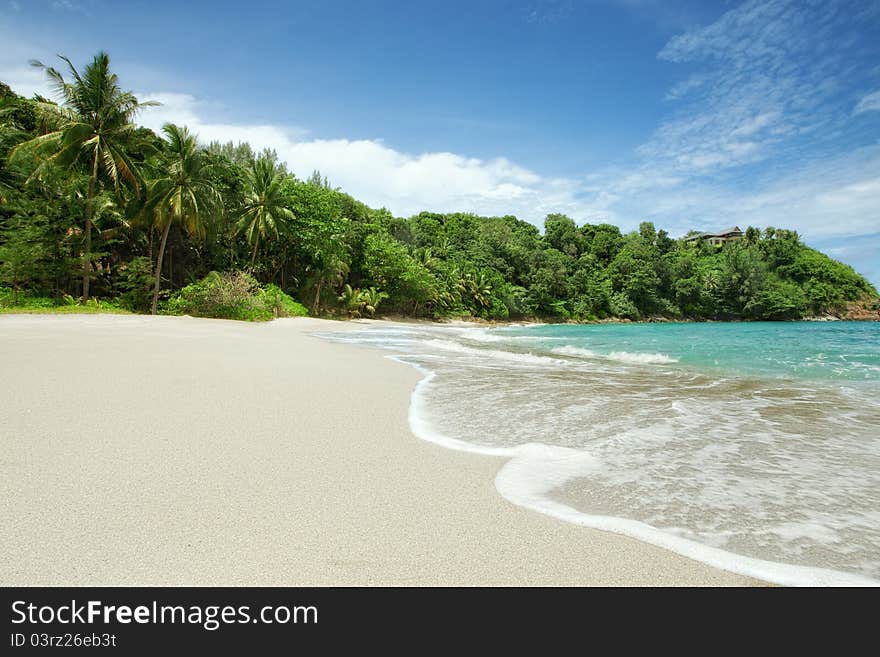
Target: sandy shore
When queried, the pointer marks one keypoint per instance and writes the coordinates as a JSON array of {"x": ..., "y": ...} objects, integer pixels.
[{"x": 178, "y": 451}]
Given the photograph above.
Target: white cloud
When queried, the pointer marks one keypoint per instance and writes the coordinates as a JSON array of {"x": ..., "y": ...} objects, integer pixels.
[
  {"x": 27, "y": 81},
  {"x": 681, "y": 89},
  {"x": 378, "y": 174},
  {"x": 869, "y": 103},
  {"x": 548, "y": 11},
  {"x": 757, "y": 132},
  {"x": 770, "y": 71},
  {"x": 68, "y": 5},
  {"x": 370, "y": 170}
]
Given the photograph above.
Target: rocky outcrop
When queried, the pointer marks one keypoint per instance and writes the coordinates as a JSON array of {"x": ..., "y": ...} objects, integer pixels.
[{"x": 866, "y": 310}]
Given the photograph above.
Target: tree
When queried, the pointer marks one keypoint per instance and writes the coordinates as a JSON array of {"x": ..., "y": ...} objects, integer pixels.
[
  {"x": 355, "y": 300},
  {"x": 24, "y": 256},
  {"x": 742, "y": 279},
  {"x": 331, "y": 271},
  {"x": 59, "y": 224},
  {"x": 562, "y": 234},
  {"x": 92, "y": 126},
  {"x": 11, "y": 133},
  {"x": 264, "y": 205},
  {"x": 182, "y": 192},
  {"x": 634, "y": 271},
  {"x": 604, "y": 241}
]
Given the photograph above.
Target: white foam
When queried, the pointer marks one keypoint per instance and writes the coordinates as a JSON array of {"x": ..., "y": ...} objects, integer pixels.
[
  {"x": 511, "y": 356},
  {"x": 480, "y": 335},
  {"x": 629, "y": 357},
  {"x": 536, "y": 469},
  {"x": 525, "y": 482},
  {"x": 569, "y": 350},
  {"x": 619, "y": 356}
]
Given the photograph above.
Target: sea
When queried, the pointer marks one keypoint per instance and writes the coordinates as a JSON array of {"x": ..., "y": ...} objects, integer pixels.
[{"x": 753, "y": 447}]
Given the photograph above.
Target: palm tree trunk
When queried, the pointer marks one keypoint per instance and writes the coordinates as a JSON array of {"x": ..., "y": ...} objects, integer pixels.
[
  {"x": 155, "y": 306},
  {"x": 318, "y": 295},
  {"x": 87, "y": 254},
  {"x": 254, "y": 254}
]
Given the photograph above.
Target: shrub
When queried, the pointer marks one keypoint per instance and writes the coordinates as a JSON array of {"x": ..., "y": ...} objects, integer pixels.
[
  {"x": 233, "y": 295},
  {"x": 136, "y": 283},
  {"x": 357, "y": 301},
  {"x": 10, "y": 298},
  {"x": 622, "y": 306},
  {"x": 281, "y": 304},
  {"x": 12, "y": 301}
]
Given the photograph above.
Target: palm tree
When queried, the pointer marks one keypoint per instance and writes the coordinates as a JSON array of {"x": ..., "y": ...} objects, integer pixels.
[
  {"x": 479, "y": 288},
  {"x": 352, "y": 300},
  {"x": 10, "y": 135},
  {"x": 182, "y": 192},
  {"x": 332, "y": 270},
  {"x": 93, "y": 125},
  {"x": 371, "y": 298},
  {"x": 426, "y": 258},
  {"x": 263, "y": 207},
  {"x": 711, "y": 280}
]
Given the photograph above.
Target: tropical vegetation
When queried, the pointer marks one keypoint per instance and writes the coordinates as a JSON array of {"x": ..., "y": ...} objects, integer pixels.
[{"x": 94, "y": 207}]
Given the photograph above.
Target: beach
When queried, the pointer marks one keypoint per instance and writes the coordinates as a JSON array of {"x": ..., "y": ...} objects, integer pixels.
[{"x": 178, "y": 451}]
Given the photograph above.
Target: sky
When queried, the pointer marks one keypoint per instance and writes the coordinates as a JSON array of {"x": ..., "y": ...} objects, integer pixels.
[{"x": 688, "y": 113}]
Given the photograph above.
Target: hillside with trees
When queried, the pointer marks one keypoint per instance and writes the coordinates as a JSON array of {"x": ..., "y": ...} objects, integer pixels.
[{"x": 93, "y": 207}]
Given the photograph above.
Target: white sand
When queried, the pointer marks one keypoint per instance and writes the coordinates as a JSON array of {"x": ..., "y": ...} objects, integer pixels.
[{"x": 179, "y": 451}]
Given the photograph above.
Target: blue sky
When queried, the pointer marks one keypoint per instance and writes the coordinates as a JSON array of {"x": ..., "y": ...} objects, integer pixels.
[{"x": 691, "y": 114}]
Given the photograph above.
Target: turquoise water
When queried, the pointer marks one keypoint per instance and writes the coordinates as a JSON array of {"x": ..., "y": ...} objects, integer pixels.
[
  {"x": 752, "y": 446},
  {"x": 823, "y": 350}
]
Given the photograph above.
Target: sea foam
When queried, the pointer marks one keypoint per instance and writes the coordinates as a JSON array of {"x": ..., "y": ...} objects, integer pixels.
[
  {"x": 535, "y": 469},
  {"x": 496, "y": 354},
  {"x": 701, "y": 462},
  {"x": 619, "y": 356}
]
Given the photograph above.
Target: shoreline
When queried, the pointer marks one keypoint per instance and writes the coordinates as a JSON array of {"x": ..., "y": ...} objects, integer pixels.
[
  {"x": 532, "y": 471},
  {"x": 215, "y": 452}
]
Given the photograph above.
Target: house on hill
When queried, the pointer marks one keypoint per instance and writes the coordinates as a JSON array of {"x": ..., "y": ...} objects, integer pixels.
[{"x": 722, "y": 236}]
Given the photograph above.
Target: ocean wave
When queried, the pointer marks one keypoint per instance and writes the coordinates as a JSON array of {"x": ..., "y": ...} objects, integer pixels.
[
  {"x": 596, "y": 440},
  {"x": 619, "y": 356},
  {"x": 534, "y": 470},
  {"x": 491, "y": 336},
  {"x": 630, "y": 357},
  {"x": 569, "y": 350},
  {"x": 510, "y": 356},
  {"x": 480, "y": 335}
]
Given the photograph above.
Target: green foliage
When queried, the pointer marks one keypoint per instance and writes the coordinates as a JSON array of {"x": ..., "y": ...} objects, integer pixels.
[
  {"x": 136, "y": 284},
  {"x": 622, "y": 306},
  {"x": 92, "y": 129},
  {"x": 357, "y": 302},
  {"x": 633, "y": 271},
  {"x": 15, "y": 301},
  {"x": 781, "y": 300},
  {"x": 264, "y": 209},
  {"x": 280, "y": 304},
  {"x": 165, "y": 212},
  {"x": 388, "y": 265},
  {"x": 742, "y": 281},
  {"x": 23, "y": 258},
  {"x": 12, "y": 298},
  {"x": 233, "y": 295}
]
